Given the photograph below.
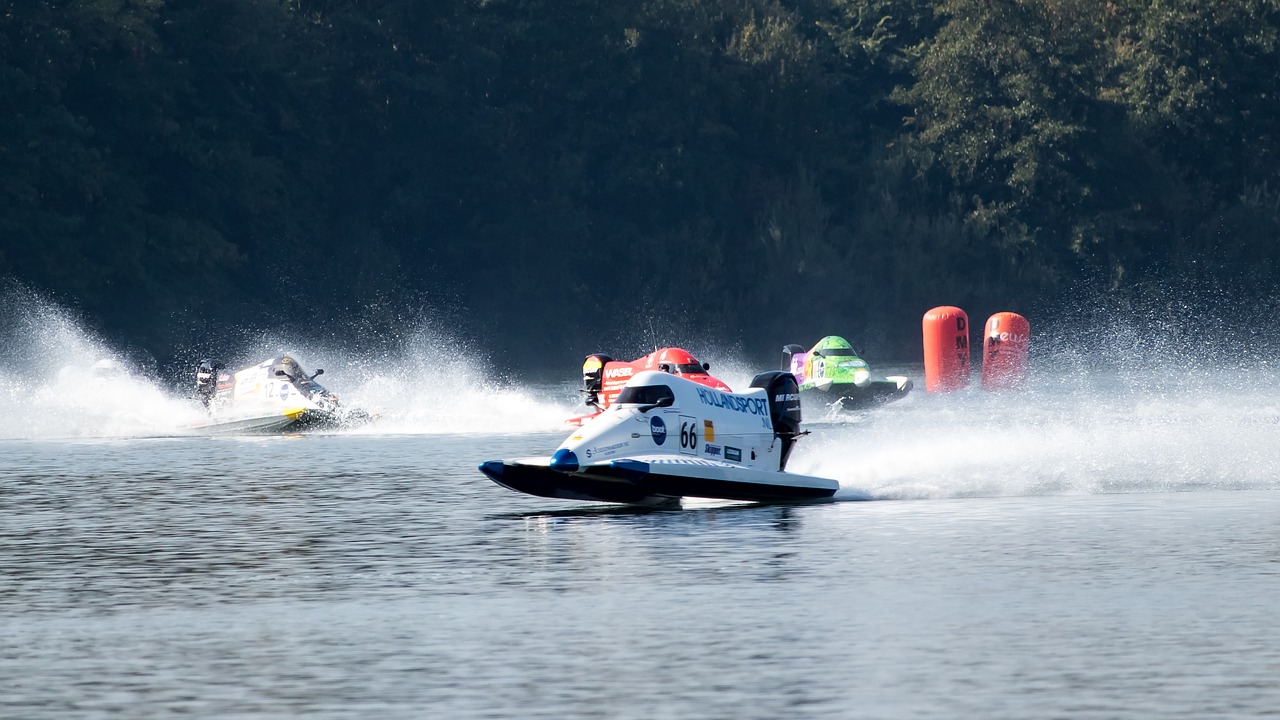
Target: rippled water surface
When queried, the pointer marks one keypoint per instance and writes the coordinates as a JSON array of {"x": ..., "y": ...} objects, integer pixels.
[
  {"x": 380, "y": 575},
  {"x": 1103, "y": 545}
]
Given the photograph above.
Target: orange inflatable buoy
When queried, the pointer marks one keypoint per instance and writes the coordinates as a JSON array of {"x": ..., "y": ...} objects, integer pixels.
[
  {"x": 946, "y": 349},
  {"x": 1006, "y": 348}
]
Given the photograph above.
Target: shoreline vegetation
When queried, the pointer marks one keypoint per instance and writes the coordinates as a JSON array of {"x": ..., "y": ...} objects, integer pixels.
[{"x": 557, "y": 177}]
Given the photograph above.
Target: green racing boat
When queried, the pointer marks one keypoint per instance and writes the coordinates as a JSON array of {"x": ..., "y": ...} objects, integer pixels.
[{"x": 831, "y": 372}]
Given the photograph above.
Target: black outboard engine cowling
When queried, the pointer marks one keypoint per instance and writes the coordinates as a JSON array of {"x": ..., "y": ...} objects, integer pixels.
[
  {"x": 207, "y": 379},
  {"x": 784, "y": 408}
]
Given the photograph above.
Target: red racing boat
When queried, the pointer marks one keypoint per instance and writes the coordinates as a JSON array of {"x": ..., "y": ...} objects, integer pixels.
[{"x": 603, "y": 377}]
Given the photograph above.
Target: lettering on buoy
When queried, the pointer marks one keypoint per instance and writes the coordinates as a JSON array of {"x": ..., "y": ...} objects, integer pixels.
[
  {"x": 1006, "y": 351},
  {"x": 946, "y": 349}
]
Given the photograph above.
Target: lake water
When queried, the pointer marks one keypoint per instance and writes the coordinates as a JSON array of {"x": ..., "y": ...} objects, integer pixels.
[{"x": 1101, "y": 546}]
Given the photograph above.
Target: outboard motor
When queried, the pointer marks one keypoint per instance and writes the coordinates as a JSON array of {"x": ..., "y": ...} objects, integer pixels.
[
  {"x": 207, "y": 379},
  {"x": 784, "y": 408},
  {"x": 593, "y": 377}
]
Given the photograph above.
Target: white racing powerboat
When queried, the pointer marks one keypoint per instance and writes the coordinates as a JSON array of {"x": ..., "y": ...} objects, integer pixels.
[
  {"x": 666, "y": 437},
  {"x": 274, "y": 395}
]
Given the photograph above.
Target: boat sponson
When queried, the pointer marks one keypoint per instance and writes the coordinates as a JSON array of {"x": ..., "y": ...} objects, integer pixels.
[
  {"x": 542, "y": 481},
  {"x": 647, "y": 483},
  {"x": 709, "y": 479},
  {"x": 873, "y": 393}
]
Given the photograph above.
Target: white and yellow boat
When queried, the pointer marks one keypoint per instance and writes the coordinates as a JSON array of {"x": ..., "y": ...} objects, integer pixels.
[{"x": 273, "y": 396}]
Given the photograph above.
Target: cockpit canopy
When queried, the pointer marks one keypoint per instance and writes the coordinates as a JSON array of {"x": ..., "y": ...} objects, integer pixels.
[
  {"x": 657, "y": 395},
  {"x": 833, "y": 346},
  {"x": 288, "y": 367},
  {"x": 677, "y": 361},
  {"x": 285, "y": 367}
]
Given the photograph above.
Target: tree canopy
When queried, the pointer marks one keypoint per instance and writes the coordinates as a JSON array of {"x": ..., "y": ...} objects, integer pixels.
[{"x": 560, "y": 174}]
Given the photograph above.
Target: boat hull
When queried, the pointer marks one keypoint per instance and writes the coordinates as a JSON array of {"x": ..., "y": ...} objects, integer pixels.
[
  {"x": 853, "y": 397},
  {"x": 276, "y": 395},
  {"x": 656, "y": 481},
  {"x": 267, "y": 423}
]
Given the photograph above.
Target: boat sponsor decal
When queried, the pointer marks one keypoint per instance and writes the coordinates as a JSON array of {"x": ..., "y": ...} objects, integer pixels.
[
  {"x": 603, "y": 449},
  {"x": 688, "y": 435},
  {"x": 712, "y": 450},
  {"x": 732, "y": 453},
  {"x": 787, "y": 397},
  {"x": 715, "y": 398},
  {"x": 658, "y": 429},
  {"x": 619, "y": 372},
  {"x": 284, "y": 391},
  {"x": 708, "y": 431}
]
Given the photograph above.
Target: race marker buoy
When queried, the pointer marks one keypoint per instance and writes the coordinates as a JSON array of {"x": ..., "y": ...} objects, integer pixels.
[
  {"x": 946, "y": 349},
  {"x": 1006, "y": 347}
]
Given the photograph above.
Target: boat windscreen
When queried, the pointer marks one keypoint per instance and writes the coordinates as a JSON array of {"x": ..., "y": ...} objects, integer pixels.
[
  {"x": 295, "y": 373},
  {"x": 308, "y": 386},
  {"x": 644, "y": 395},
  {"x": 686, "y": 369},
  {"x": 288, "y": 367},
  {"x": 835, "y": 352}
]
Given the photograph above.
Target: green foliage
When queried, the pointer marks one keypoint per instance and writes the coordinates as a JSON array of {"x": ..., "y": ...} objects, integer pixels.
[
  {"x": 1199, "y": 78},
  {"x": 557, "y": 168},
  {"x": 1004, "y": 100}
]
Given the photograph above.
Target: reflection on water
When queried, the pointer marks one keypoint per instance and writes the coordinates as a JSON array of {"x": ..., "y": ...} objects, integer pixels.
[{"x": 351, "y": 576}]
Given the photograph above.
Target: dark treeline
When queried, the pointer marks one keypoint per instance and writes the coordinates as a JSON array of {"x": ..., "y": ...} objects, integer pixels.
[{"x": 560, "y": 175}]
